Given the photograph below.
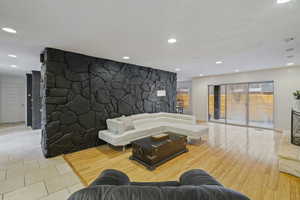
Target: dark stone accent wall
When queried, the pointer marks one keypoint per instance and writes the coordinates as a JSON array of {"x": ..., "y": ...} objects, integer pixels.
[{"x": 80, "y": 92}]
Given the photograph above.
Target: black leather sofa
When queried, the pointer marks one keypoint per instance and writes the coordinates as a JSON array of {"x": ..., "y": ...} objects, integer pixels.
[{"x": 193, "y": 185}]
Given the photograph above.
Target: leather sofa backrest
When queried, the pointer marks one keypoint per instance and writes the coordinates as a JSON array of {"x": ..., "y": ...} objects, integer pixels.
[
  {"x": 127, "y": 192},
  {"x": 195, "y": 184}
]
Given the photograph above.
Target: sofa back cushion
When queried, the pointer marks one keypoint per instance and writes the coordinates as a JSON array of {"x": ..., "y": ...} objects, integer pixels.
[
  {"x": 174, "y": 120},
  {"x": 139, "y": 116},
  {"x": 122, "y": 124},
  {"x": 127, "y": 123},
  {"x": 190, "y": 118},
  {"x": 158, "y": 121}
]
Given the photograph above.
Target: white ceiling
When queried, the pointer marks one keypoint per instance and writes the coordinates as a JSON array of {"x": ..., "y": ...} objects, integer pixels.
[{"x": 245, "y": 35}]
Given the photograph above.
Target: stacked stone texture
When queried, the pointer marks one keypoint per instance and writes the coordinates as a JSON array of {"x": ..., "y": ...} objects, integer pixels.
[{"x": 80, "y": 92}]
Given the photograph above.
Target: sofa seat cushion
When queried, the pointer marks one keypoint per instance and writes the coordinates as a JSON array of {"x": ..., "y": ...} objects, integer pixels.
[{"x": 192, "y": 131}]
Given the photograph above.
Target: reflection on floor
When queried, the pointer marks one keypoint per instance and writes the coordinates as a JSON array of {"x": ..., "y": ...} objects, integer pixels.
[
  {"x": 25, "y": 174},
  {"x": 266, "y": 124},
  {"x": 243, "y": 159}
]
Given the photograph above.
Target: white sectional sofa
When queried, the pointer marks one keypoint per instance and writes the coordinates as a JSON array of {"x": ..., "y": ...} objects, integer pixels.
[{"x": 123, "y": 130}]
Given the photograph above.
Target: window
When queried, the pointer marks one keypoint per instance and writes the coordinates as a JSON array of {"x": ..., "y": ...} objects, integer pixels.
[{"x": 183, "y": 100}]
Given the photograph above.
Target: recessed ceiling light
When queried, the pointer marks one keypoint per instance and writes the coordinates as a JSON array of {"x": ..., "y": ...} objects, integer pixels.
[
  {"x": 237, "y": 70},
  {"x": 283, "y": 1},
  {"x": 219, "y": 62},
  {"x": 12, "y": 56},
  {"x": 126, "y": 57},
  {"x": 9, "y": 30},
  {"x": 200, "y": 74},
  {"x": 289, "y": 39},
  {"x": 172, "y": 40},
  {"x": 13, "y": 66},
  {"x": 177, "y": 69},
  {"x": 290, "y": 49},
  {"x": 290, "y": 64}
]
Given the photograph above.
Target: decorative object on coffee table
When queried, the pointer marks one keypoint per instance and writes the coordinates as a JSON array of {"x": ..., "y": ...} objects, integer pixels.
[
  {"x": 160, "y": 137},
  {"x": 151, "y": 152}
]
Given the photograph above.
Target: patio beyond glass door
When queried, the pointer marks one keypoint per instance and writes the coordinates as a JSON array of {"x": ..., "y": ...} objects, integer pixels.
[
  {"x": 245, "y": 104},
  {"x": 261, "y": 97},
  {"x": 236, "y": 104}
]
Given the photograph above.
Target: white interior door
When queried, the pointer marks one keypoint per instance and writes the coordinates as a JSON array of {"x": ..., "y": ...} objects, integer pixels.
[{"x": 12, "y": 98}]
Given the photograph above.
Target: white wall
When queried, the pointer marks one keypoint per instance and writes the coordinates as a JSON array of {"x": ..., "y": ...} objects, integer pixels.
[
  {"x": 12, "y": 98},
  {"x": 286, "y": 81}
]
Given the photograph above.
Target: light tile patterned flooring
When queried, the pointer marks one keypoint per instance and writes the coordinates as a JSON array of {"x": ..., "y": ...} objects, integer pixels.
[{"x": 25, "y": 174}]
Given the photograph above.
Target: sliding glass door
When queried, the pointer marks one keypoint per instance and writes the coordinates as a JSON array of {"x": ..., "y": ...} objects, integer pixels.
[
  {"x": 236, "y": 104},
  {"x": 246, "y": 104}
]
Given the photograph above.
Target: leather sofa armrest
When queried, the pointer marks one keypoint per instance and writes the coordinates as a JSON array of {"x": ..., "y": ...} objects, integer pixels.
[
  {"x": 115, "y": 126},
  {"x": 111, "y": 177},
  {"x": 91, "y": 193},
  {"x": 198, "y": 177},
  {"x": 157, "y": 184},
  {"x": 204, "y": 192}
]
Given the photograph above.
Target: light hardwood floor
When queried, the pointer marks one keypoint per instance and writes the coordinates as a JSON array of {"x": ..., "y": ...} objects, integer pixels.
[{"x": 240, "y": 158}]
